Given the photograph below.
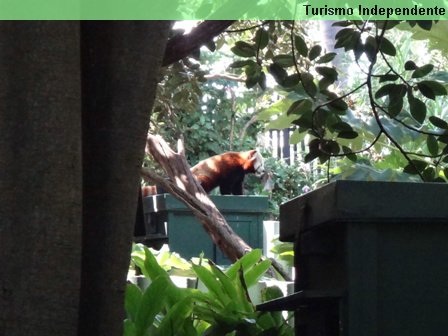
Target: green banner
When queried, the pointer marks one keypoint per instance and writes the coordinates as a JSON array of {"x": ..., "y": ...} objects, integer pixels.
[{"x": 222, "y": 10}]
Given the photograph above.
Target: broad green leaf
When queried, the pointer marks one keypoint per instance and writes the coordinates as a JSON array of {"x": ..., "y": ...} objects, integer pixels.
[
  {"x": 308, "y": 83},
  {"x": 388, "y": 77},
  {"x": 261, "y": 38},
  {"x": 395, "y": 105},
  {"x": 300, "y": 106},
  {"x": 300, "y": 45},
  {"x": 247, "y": 261},
  {"x": 327, "y": 72},
  {"x": 385, "y": 90},
  {"x": 240, "y": 64},
  {"x": 370, "y": 48},
  {"x": 284, "y": 61},
  {"x": 314, "y": 52},
  {"x": 296, "y": 137},
  {"x": 440, "y": 123},
  {"x": 410, "y": 65},
  {"x": 342, "y": 126},
  {"x": 291, "y": 81},
  {"x": 417, "y": 109},
  {"x": 422, "y": 71},
  {"x": 387, "y": 47},
  {"x": 173, "y": 322},
  {"x": 429, "y": 174},
  {"x": 326, "y": 58},
  {"x": 415, "y": 167},
  {"x": 133, "y": 297},
  {"x": 151, "y": 304},
  {"x": 349, "y": 154},
  {"x": 228, "y": 286},
  {"x": 433, "y": 145},
  {"x": 129, "y": 328},
  {"x": 342, "y": 23},
  {"x": 437, "y": 88},
  {"x": 283, "y": 121},
  {"x": 212, "y": 284},
  {"x": 348, "y": 134},
  {"x": 243, "y": 49},
  {"x": 277, "y": 72},
  {"x": 255, "y": 273}
]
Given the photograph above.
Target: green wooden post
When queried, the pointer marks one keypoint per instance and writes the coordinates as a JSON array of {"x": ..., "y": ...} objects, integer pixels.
[{"x": 187, "y": 237}]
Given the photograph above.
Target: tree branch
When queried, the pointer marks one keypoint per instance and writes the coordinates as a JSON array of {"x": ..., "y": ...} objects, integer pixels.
[
  {"x": 187, "y": 189},
  {"x": 181, "y": 46}
]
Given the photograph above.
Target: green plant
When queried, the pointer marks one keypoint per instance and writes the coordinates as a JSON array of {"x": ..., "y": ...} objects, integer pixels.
[{"x": 224, "y": 309}]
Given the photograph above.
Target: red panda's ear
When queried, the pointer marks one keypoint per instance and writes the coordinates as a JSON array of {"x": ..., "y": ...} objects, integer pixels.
[{"x": 252, "y": 154}]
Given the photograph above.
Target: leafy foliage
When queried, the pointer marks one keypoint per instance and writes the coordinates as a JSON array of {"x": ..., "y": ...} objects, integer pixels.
[
  {"x": 224, "y": 309},
  {"x": 398, "y": 96}
]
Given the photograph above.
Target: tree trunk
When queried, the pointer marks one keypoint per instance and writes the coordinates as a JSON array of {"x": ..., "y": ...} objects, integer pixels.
[
  {"x": 40, "y": 178},
  {"x": 120, "y": 63},
  {"x": 75, "y": 101}
]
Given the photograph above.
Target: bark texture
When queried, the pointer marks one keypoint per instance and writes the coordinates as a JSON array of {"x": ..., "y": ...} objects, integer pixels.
[
  {"x": 40, "y": 178},
  {"x": 120, "y": 63}
]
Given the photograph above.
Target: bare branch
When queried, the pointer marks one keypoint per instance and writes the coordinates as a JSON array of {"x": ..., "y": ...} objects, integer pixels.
[{"x": 187, "y": 189}]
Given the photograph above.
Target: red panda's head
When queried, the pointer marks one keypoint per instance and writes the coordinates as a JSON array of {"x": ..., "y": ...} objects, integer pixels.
[{"x": 255, "y": 163}]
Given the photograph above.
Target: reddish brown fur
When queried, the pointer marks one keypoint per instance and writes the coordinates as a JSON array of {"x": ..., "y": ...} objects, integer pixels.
[{"x": 225, "y": 170}]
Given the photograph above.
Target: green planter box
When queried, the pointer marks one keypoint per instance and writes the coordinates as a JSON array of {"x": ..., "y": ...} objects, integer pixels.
[
  {"x": 187, "y": 237},
  {"x": 371, "y": 259}
]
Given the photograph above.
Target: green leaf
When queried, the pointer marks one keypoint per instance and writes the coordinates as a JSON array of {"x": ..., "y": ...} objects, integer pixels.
[
  {"x": 388, "y": 77},
  {"x": 291, "y": 81},
  {"x": 308, "y": 83},
  {"x": 240, "y": 64},
  {"x": 177, "y": 316},
  {"x": 410, "y": 65},
  {"x": 327, "y": 72},
  {"x": 151, "y": 304},
  {"x": 433, "y": 145},
  {"x": 395, "y": 105},
  {"x": 129, "y": 328},
  {"x": 226, "y": 283},
  {"x": 415, "y": 167},
  {"x": 342, "y": 126},
  {"x": 440, "y": 123},
  {"x": 437, "y": 88},
  {"x": 385, "y": 90},
  {"x": 243, "y": 49},
  {"x": 296, "y": 137},
  {"x": 255, "y": 273},
  {"x": 429, "y": 174},
  {"x": 348, "y": 134},
  {"x": 387, "y": 47},
  {"x": 370, "y": 48},
  {"x": 300, "y": 106},
  {"x": 326, "y": 58},
  {"x": 246, "y": 262},
  {"x": 349, "y": 154},
  {"x": 342, "y": 23},
  {"x": 212, "y": 284},
  {"x": 261, "y": 38},
  {"x": 424, "y": 24},
  {"x": 314, "y": 52},
  {"x": 422, "y": 71},
  {"x": 426, "y": 91},
  {"x": 277, "y": 72},
  {"x": 417, "y": 109},
  {"x": 284, "y": 61},
  {"x": 300, "y": 45},
  {"x": 133, "y": 297}
]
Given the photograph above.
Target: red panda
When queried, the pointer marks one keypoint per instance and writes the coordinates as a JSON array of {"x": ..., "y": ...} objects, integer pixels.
[{"x": 225, "y": 170}]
